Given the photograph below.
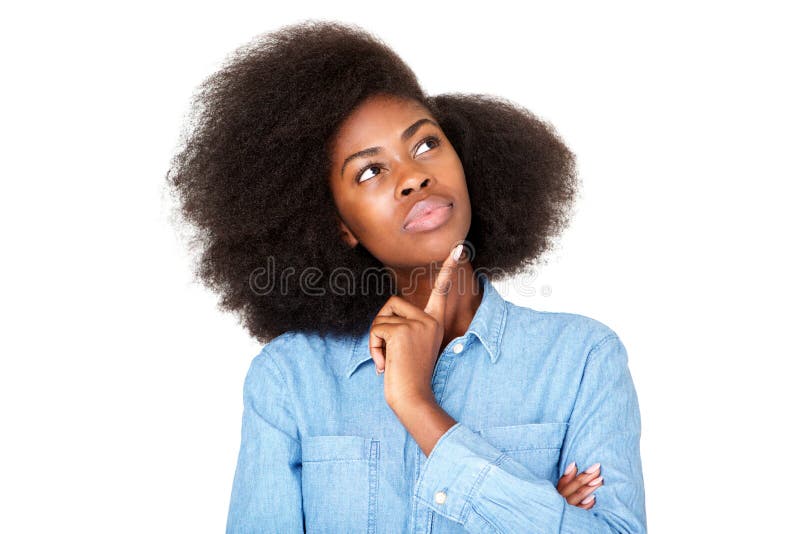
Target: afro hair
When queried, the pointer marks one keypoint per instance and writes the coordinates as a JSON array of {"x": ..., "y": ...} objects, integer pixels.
[{"x": 250, "y": 176}]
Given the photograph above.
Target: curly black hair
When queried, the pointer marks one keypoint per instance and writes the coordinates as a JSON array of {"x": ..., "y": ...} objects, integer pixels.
[{"x": 250, "y": 175}]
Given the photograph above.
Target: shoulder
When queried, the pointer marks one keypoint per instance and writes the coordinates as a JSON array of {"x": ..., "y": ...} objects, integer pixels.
[
  {"x": 559, "y": 324},
  {"x": 294, "y": 352},
  {"x": 568, "y": 338}
]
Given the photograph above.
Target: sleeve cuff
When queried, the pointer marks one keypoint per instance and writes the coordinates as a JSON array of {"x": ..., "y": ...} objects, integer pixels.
[{"x": 454, "y": 470}]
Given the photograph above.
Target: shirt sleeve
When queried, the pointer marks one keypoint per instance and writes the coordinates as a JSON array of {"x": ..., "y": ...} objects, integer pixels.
[
  {"x": 466, "y": 479},
  {"x": 266, "y": 494}
]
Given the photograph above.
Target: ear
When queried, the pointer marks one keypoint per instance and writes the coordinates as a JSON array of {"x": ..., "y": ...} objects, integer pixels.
[{"x": 345, "y": 233}]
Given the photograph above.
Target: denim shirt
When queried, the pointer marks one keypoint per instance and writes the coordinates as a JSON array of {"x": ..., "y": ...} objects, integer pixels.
[{"x": 531, "y": 391}]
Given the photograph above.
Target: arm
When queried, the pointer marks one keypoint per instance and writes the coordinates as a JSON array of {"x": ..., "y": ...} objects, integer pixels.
[
  {"x": 266, "y": 495},
  {"x": 468, "y": 480}
]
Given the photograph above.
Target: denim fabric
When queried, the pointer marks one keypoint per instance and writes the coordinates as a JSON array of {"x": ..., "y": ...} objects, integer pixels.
[{"x": 532, "y": 391}]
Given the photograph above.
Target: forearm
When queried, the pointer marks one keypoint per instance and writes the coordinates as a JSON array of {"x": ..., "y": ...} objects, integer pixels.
[
  {"x": 468, "y": 480},
  {"x": 425, "y": 420}
]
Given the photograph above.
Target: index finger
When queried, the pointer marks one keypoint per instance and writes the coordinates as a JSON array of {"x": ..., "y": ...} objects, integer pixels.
[{"x": 444, "y": 281}]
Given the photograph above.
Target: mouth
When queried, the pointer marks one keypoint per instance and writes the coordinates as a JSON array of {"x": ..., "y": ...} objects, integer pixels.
[{"x": 428, "y": 214}]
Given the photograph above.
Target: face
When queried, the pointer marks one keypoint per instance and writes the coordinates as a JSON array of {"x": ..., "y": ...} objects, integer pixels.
[{"x": 398, "y": 184}]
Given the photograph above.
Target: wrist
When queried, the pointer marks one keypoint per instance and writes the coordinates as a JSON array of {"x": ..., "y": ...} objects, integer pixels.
[
  {"x": 413, "y": 403},
  {"x": 426, "y": 421}
]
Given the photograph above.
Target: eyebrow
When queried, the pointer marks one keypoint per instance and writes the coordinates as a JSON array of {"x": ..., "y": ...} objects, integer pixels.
[{"x": 371, "y": 151}]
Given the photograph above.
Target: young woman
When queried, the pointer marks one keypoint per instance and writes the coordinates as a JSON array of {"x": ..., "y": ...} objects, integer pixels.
[{"x": 354, "y": 223}]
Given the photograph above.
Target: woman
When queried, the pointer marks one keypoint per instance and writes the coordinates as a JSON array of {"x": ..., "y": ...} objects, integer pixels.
[{"x": 355, "y": 223}]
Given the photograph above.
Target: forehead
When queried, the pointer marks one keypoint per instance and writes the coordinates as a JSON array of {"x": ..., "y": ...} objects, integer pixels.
[{"x": 377, "y": 118}]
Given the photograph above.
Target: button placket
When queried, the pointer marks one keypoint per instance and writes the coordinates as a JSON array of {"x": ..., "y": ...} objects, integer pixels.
[{"x": 423, "y": 518}]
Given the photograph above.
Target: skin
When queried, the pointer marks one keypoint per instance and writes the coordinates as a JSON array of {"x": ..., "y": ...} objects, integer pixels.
[
  {"x": 438, "y": 292},
  {"x": 372, "y": 212}
]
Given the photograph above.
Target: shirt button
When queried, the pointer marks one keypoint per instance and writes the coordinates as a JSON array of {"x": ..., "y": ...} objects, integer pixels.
[
  {"x": 440, "y": 497},
  {"x": 457, "y": 348}
]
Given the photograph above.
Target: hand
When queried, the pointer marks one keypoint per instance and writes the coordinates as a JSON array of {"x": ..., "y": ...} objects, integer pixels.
[
  {"x": 577, "y": 488},
  {"x": 404, "y": 341}
]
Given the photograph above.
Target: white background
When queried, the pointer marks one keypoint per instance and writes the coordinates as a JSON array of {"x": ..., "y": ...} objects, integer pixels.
[{"x": 120, "y": 386}]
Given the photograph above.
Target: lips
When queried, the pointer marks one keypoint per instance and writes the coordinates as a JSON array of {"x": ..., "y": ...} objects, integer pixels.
[{"x": 425, "y": 206}]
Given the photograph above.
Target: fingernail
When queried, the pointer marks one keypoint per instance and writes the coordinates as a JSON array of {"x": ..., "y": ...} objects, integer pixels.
[
  {"x": 592, "y": 469},
  {"x": 588, "y": 499},
  {"x": 380, "y": 371},
  {"x": 596, "y": 482},
  {"x": 457, "y": 252},
  {"x": 569, "y": 468}
]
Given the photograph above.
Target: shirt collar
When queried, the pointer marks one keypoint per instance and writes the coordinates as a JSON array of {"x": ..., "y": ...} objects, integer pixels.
[{"x": 487, "y": 325}]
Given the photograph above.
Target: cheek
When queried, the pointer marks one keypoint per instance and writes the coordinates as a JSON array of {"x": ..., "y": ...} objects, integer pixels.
[
  {"x": 458, "y": 182},
  {"x": 371, "y": 218},
  {"x": 377, "y": 217}
]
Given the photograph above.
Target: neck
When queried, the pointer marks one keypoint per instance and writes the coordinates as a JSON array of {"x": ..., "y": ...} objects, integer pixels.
[{"x": 462, "y": 301}]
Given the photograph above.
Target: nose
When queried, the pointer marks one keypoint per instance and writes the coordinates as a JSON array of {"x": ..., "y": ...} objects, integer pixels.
[{"x": 415, "y": 182}]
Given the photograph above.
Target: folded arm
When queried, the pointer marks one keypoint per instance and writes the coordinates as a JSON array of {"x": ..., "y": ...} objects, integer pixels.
[{"x": 468, "y": 480}]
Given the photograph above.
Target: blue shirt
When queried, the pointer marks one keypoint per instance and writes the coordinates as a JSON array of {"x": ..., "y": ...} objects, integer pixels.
[{"x": 532, "y": 391}]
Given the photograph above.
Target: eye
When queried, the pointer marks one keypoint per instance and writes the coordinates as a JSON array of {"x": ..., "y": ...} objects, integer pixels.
[
  {"x": 432, "y": 140},
  {"x": 429, "y": 143},
  {"x": 363, "y": 171}
]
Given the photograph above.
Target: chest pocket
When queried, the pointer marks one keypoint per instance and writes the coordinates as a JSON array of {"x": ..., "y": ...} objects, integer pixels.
[
  {"x": 340, "y": 483},
  {"x": 537, "y": 446}
]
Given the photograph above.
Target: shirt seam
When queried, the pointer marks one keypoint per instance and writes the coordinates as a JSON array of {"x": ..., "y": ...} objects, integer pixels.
[
  {"x": 592, "y": 350},
  {"x": 490, "y": 523},
  {"x": 352, "y": 365},
  {"x": 270, "y": 360},
  {"x": 462, "y": 515},
  {"x": 499, "y": 333}
]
